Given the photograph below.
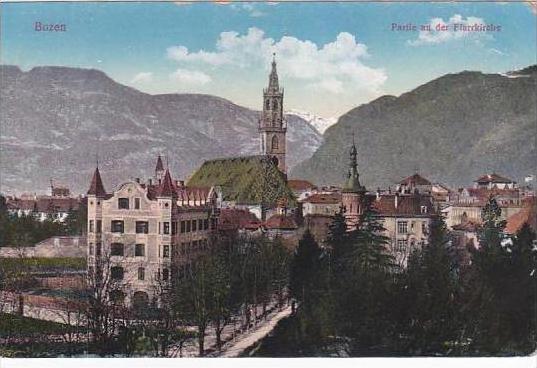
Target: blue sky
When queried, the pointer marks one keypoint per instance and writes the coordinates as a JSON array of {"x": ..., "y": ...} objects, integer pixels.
[{"x": 331, "y": 56}]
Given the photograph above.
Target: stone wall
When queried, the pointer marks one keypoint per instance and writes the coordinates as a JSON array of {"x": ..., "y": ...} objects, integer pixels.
[{"x": 56, "y": 246}]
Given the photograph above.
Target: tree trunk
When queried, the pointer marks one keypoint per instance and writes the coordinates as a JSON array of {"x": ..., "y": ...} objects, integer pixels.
[
  {"x": 201, "y": 341},
  {"x": 218, "y": 331}
]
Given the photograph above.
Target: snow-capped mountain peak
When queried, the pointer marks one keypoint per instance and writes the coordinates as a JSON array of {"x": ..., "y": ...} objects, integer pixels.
[{"x": 318, "y": 122}]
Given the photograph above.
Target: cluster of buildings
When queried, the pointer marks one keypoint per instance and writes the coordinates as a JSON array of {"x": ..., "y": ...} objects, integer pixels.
[
  {"x": 143, "y": 231},
  {"x": 55, "y": 206}
]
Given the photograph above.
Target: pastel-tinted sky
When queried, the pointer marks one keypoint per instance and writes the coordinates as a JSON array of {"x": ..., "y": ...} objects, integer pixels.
[{"x": 331, "y": 56}]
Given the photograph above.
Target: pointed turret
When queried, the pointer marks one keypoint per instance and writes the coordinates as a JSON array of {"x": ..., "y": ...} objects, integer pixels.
[
  {"x": 166, "y": 189},
  {"x": 353, "y": 178},
  {"x": 97, "y": 187}
]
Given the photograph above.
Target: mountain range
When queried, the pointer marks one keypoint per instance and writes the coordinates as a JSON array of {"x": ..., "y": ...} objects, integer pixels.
[
  {"x": 57, "y": 121},
  {"x": 451, "y": 130}
]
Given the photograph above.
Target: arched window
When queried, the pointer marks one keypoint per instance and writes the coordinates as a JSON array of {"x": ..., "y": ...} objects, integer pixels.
[
  {"x": 275, "y": 104},
  {"x": 275, "y": 143},
  {"x": 267, "y": 104}
]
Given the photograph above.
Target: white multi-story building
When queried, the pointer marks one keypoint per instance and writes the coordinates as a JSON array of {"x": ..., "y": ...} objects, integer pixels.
[{"x": 140, "y": 233}]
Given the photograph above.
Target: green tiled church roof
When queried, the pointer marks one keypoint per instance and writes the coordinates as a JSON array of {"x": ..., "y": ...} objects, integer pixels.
[{"x": 245, "y": 180}]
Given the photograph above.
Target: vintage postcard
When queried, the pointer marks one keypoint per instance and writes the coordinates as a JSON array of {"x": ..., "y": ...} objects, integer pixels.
[{"x": 267, "y": 179}]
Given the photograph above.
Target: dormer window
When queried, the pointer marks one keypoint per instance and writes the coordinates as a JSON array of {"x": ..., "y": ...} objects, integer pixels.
[
  {"x": 423, "y": 209},
  {"x": 123, "y": 203}
]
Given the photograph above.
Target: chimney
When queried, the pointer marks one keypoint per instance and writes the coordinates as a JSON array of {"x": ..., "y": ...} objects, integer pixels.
[
  {"x": 378, "y": 194},
  {"x": 150, "y": 181},
  {"x": 396, "y": 199},
  {"x": 137, "y": 180}
]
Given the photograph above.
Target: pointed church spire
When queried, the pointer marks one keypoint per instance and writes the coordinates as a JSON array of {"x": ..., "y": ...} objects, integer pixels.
[
  {"x": 160, "y": 166},
  {"x": 96, "y": 186},
  {"x": 273, "y": 78}
]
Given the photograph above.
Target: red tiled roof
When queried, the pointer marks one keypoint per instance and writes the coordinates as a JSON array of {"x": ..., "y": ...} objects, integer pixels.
[
  {"x": 324, "y": 198},
  {"x": 528, "y": 214},
  {"x": 96, "y": 186},
  {"x": 407, "y": 205},
  {"x": 415, "y": 179},
  {"x": 44, "y": 204},
  {"x": 281, "y": 222},
  {"x": 493, "y": 178},
  {"x": 299, "y": 185},
  {"x": 234, "y": 219},
  {"x": 468, "y": 226}
]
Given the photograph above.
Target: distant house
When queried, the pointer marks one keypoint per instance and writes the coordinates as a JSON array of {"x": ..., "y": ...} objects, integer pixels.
[
  {"x": 494, "y": 181},
  {"x": 43, "y": 207},
  {"x": 301, "y": 188},
  {"x": 415, "y": 182},
  {"x": 327, "y": 204}
]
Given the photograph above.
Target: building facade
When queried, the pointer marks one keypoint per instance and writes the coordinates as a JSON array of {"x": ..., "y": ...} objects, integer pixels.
[{"x": 140, "y": 233}]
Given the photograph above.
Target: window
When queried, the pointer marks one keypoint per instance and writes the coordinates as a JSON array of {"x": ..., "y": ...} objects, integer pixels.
[
  {"x": 141, "y": 273},
  {"x": 423, "y": 209},
  {"x": 99, "y": 226},
  {"x": 90, "y": 249},
  {"x": 98, "y": 248},
  {"x": 402, "y": 227},
  {"x": 91, "y": 226},
  {"x": 401, "y": 245},
  {"x": 139, "y": 250},
  {"x": 116, "y": 249},
  {"x": 142, "y": 227},
  {"x": 267, "y": 104},
  {"x": 275, "y": 104},
  {"x": 166, "y": 251},
  {"x": 194, "y": 225},
  {"x": 166, "y": 228},
  {"x": 174, "y": 228},
  {"x": 206, "y": 224},
  {"x": 200, "y": 224},
  {"x": 136, "y": 203},
  {"x": 183, "y": 227},
  {"x": 165, "y": 274},
  {"x": 188, "y": 226},
  {"x": 117, "y": 226},
  {"x": 423, "y": 227},
  {"x": 116, "y": 273},
  {"x": 275, "y": 143},
  {"x": 123, "y": 203}
]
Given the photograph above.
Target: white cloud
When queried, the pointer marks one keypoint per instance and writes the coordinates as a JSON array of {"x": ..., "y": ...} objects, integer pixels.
[
  {"x": 497, "y": 52},
  {"x": 435, "y": 36},
  {"x": 190, "y": 77},
  {"x": 143, "y": 77},
  {"x": 333, "y": 67}
]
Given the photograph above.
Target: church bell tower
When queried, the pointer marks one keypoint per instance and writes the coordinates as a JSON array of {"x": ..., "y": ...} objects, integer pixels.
[{"x": 272, "y": 125}]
